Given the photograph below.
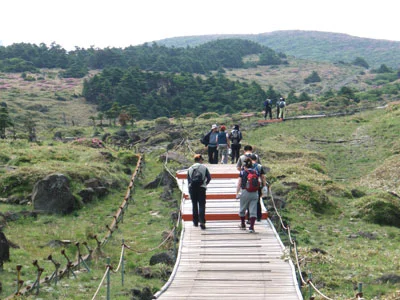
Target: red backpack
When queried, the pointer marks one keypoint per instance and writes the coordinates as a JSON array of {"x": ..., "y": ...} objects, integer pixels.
[{"x": 252, "y": 183}]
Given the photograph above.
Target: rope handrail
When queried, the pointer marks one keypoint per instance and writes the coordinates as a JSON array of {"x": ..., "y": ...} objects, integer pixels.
[
  {"x": 121, "y": 258},
  {"x": 101, "y": 283},
  {"x": 121, "y": 208},
  {"x": 318, "y": 291},
  {"x": 297, "y": 261}
]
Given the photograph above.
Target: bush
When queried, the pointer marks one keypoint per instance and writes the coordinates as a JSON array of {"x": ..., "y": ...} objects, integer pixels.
[
  {"x": 208, "y": 115},
  {"x": 318, "y": 201},
  {"x": 162, "y": 121},
  {"x": 382, "y": 209},
  {"x": 314, "y": 77}
]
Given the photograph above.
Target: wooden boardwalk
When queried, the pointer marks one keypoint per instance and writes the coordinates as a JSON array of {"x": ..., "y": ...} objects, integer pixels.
[{"x": 224, "y": 262}]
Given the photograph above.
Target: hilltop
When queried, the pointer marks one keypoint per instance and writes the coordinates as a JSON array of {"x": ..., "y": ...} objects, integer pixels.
[{"x": 311, "y": 45}]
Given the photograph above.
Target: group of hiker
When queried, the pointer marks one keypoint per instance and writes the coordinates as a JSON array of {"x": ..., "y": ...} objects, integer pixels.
[
  {"x": 280, "y": 108},
  {"x": 222, "y": 144},
  {"x": 251, "y": 185}
]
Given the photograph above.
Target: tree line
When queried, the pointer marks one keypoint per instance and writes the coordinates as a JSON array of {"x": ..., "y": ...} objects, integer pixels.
[
  {"x": 155, "y": 94},
  {"x": 226, "y": 53}
]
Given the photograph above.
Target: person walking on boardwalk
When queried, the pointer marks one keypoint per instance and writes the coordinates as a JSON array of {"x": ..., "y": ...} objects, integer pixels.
[
  {"x": 223, "y": 145},
  {"x": 282, "y": 108},
  {"x": 198, "y": 177},
  {"x": 247, "y": 191},
  {"x": 212, "y": 145},
  {"x": 268, "y": 108},
  {"x": 248, "y": 150},
  {"x": 263, "y": 182},
  {"x": 235, "y": 137},
  {"x": 248, "y": 153}
]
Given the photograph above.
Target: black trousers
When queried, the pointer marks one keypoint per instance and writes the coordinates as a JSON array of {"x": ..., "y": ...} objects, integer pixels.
[
  {"x": 198, "y": 197},
  {"x": 235, "y": 152},
  {"x": 268, "y": 111},
  {"x": 212, "y": 155}
]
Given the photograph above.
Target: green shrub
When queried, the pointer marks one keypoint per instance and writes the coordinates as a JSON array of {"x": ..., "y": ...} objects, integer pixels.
[
  {"x": 208, "y": 115},
  {"x": 318, "y": 201},
  {"x": 162, "y": 121},
  {"x": 317, "y": 167},
  {"x": 127, "y": 158},
  {"x": 382, "y": 209}
]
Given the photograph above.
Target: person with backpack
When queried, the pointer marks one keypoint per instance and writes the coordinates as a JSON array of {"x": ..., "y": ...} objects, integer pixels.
[
  {"x": 198, "y": 177},
  {"x": 223, "y": 144},
  {"x": 268, "y": 109},
  {"x": 263, "y": 182},
  {"x": 248, "y": 151},
  {"x": 212, "y": 145},
  {"x": 247, "y": 192},
  {"x": 282, "y": 107},
  {"x": 235, "y": 137}
]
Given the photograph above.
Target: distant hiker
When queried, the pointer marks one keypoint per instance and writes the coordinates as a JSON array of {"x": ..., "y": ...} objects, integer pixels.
[
  {"x": 198, "y": 177},
  {"x": 277, "y": 109},
  {"x": 282, "y": 108},
  {"x": 268, "y": 108},
  {"x": 235, "y": 137},
  {"x": 247, "y": 192},
  {"x": 223, "y": 145},
  {"x": 212, "y": 145}
]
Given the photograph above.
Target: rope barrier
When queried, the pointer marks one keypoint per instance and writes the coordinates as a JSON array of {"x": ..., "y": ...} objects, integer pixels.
[
  {"x": 296, "y": 255},
  {"x": 121, "y": 257},
  {"x": 101, "y": 283},
  {"x": 318, "y": 291}
]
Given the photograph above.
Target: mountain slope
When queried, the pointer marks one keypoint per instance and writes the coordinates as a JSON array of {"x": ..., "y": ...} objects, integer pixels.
[{"x": 314, "y": 45}]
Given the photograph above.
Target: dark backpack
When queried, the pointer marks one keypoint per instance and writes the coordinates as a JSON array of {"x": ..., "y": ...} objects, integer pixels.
[
  {"x": 252, "y": 183},
  {"x": 197, "y": 178},
  {"x": 235, "y": 136},
  {"x": 281, "y": 104},
  {"x": 205, "y": 140}
]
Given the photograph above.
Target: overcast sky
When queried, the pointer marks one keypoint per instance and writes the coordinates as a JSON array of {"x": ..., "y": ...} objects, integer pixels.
[{"x": 120, "y": 23}]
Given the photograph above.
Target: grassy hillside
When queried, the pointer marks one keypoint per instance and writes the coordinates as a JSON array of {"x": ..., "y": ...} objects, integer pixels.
[
  {"x": 334, "y": 175},
  {"x": 50, "y": 100},
  {"x": 313, "y": 45},
  {"x": 335, "y": 182}
]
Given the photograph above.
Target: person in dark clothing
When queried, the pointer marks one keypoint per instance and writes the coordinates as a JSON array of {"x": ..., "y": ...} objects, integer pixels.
[
  {"x": 277, "y": 109},
  {"x": 268, "y": 109},
  {"x": 212, "y": 145},
  {"x": 197, "y": 190},
  {"x": 235, "y": 136},
  {"x": 223, "y": 144}
]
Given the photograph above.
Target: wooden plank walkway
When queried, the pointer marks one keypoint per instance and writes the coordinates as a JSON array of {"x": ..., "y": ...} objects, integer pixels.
[{"x": 224, "y": 262}]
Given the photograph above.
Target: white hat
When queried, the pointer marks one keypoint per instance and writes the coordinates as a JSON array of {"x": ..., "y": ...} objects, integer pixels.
[{"x": 214, "y": 126}]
